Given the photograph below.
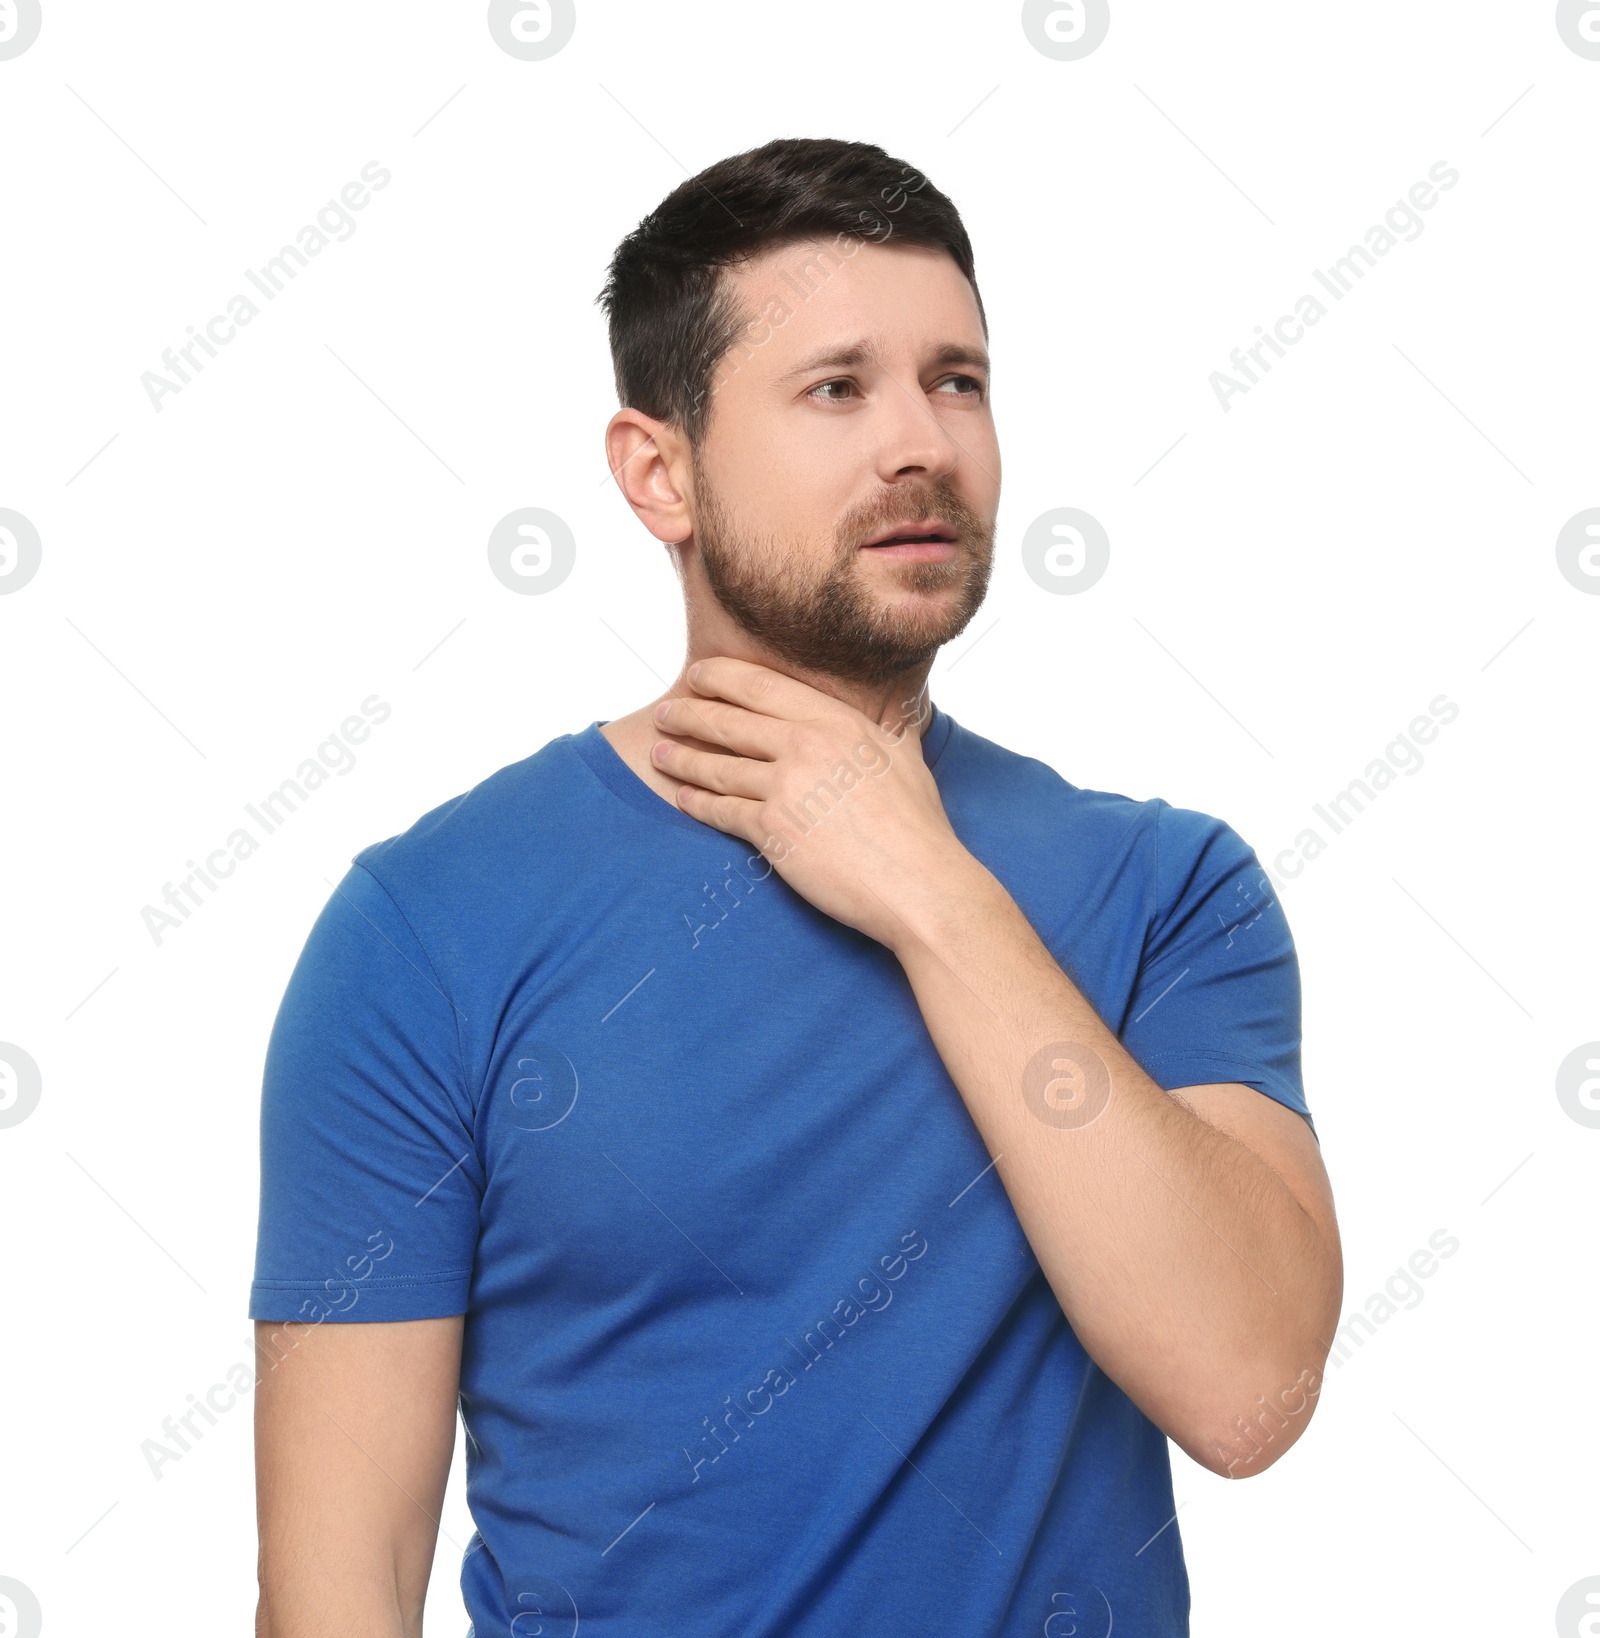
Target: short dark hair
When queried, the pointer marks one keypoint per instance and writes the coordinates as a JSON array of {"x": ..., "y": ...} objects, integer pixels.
[{"x": 670, "y": 316}]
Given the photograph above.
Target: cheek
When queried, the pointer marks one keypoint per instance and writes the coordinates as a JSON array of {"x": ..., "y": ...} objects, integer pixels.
[
  {"x": 809, "y": 474},
  {"x": 790, "y": 478},
  {"x": 787, "y": 497}
]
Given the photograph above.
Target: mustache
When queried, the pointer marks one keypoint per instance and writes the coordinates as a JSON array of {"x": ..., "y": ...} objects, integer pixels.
[{"x": 940, "y": 503}]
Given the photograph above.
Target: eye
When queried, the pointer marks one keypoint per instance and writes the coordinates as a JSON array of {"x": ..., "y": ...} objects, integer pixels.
[
  {"x": 971, "y": 387},
  {"x": 821, "y": 386}
]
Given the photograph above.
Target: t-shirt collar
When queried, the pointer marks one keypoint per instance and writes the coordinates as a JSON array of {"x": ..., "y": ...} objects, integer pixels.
[{"x": 608, "y": 766}]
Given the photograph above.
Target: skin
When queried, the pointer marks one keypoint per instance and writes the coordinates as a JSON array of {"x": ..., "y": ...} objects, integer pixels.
[
  {"x": 1189, "y": 1236},
  {"x": 354, "y": 1426}
]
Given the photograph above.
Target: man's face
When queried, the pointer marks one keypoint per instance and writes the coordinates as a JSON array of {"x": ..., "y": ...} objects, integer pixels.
[{"x": 857, "y": 410}]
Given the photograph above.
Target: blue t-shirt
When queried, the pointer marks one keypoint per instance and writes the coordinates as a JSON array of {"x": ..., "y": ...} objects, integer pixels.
[{"x": 754, "y": 1343}]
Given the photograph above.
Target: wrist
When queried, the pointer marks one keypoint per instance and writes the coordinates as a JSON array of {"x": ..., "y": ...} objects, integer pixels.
[{"x": 943, "y": 895}]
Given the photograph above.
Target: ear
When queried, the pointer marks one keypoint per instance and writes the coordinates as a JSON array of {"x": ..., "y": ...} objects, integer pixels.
[{"x": 650, "y": 461}]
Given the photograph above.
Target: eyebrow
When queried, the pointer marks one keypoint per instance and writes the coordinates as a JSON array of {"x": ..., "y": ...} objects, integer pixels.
[{"x": 863, "y": 352}]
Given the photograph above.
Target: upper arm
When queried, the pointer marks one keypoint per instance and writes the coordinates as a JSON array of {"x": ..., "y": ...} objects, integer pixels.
[
  {"x": 370, "y": 1186},
  {"x": 370, "y": 1176},
  {"x": 1216, "y": 999},
  {"x": 355, "y": 1426}
]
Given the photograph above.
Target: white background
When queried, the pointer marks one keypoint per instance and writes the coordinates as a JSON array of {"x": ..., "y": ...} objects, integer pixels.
[{"x": 1291, "y": 581}]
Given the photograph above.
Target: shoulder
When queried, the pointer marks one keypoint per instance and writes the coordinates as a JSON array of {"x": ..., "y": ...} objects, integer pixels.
[
  {"x": 1187, "y": 841},
  {"x": 981, "y": 773},
  {"x": 488, "y": 841},
  {"x": 1164, "y": 851}
]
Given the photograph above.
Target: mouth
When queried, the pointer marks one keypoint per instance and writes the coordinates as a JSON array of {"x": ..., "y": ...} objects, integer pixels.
[{"x": 926, "y": 540}]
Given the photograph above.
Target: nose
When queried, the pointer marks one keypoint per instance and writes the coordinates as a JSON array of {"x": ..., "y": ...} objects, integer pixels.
[{"x": 912, "y": 441}]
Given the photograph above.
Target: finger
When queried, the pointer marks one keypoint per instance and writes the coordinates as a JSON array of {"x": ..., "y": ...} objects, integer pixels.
[
  {"x": 760, "y": 689},
  {"x": 717, "y": 723},
  {"x": 714, "y": 770},
  {"x": 732, "y": 814}
]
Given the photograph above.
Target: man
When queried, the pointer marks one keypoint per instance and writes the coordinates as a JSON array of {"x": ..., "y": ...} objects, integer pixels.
[{"x": 824, "y": 1154}]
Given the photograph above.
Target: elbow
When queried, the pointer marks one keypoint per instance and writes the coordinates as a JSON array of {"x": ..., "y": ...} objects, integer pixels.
[
  {"x": 1256, "y": 1429},
  {"x": 1268, "y": 1396}
]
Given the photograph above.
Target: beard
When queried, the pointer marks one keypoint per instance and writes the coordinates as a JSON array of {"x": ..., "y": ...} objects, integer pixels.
[{"x": 831, "y": 620}]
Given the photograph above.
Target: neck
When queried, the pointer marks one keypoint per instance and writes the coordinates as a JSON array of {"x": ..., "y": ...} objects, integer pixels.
[{"x": 901, "y": 706}]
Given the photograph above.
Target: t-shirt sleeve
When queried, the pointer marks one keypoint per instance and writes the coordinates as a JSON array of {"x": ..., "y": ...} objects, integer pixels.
[
  {"x": 1217, "y": 996},
  {"x": 370, "y": 1180}
]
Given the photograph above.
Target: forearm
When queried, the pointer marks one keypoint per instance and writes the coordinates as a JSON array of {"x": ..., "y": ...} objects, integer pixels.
[{"x": 1186, "y": 1266}]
